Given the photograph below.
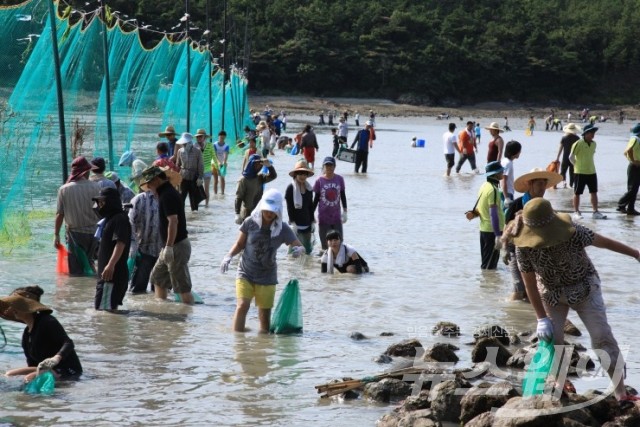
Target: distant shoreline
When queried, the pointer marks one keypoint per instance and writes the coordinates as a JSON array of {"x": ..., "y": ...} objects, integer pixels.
[{"x": 312, "y": 105}]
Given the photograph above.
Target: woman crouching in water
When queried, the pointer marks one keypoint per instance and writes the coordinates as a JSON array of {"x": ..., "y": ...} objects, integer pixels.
[{"x": 45, "y": 343}]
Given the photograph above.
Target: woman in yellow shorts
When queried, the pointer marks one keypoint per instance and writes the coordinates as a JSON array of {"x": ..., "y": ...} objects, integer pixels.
[{"x": 261, "y": 234}]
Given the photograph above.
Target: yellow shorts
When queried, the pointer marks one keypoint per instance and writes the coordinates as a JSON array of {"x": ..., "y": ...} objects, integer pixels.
[{"x": 265, "y": 294}]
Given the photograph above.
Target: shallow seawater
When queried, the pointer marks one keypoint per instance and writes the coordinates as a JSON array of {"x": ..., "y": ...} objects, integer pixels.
[{"x": 168, "y": 364}]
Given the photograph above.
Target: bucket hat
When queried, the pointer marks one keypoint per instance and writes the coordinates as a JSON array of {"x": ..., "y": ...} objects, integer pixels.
[
  {"x": 589, "y": 128},
  {"x": 542, "y": 227},
  {"x": 636, "y": 130},
  {"x": 16, "y": 303},
  {"x": 79, "y": 166},
  {"x": 186, "y": 138},
  {"x": 493, "y": 168}
]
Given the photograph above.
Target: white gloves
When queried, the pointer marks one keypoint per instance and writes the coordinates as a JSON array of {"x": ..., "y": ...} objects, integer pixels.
[
  {"x": 507, "y": 203},
  {"x": 50, "y": 363},
  {"x": 344, "y": 217},
  {"x": 545, "y": 329},
  {"x": 296, "y": 251},
  {"x": 167, "y": 254},
  {"x": 498, "y": 244},
  {"x": 224, "y": 266},
  {"x": 238, "y": 219}
]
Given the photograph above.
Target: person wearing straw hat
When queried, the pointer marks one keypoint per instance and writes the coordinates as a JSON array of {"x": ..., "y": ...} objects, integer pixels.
[
  {"x": 261, "y": 234},
  {"x": 206, "y": 148},
  {"x": 299, "y": 198},
  {"x": 496, "y": 145},
  {"x": 219, "y": 162},
  {"x": 45, "y": 343},
  {"x": 627, "y": 203},
  {"x": 559, "y": 275},
  {"x": 489, "y": 208},
  {"x": 170, "y": 134},
  {"x": 533, "y": 184},
  {"x": 74, "y": 209},
  {"x": 191, "y": 169},
  {"x": 171, "y": 271},
  {"x": 581, "y": 155},
  {"x": 571, "y": 131}
]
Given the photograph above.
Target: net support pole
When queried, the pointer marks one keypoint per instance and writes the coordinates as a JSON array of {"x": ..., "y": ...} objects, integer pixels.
[
  {"x": 107, "y": 82},
  {"x": 209, "y": 68},
  {"x": 224, "y": 63},
  {"x": 187, "y": 48},
  {"x": 56, "y": 60}
]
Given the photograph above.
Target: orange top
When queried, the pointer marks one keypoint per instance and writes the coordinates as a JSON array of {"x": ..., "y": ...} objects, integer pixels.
[{"x": 465, "y": 141}]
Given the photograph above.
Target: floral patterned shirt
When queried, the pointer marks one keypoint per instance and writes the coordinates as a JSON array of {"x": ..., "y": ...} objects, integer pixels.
[{"x": 564, "y": 268}]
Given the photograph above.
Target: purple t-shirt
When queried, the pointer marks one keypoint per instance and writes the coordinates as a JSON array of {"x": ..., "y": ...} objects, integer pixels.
[{"x": 329, "y": 203}]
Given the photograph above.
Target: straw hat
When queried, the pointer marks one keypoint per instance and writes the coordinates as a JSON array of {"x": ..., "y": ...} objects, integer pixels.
[
  {"x": 522, "y": 183},
  {"x": 17, "y": 303},
  {"x": 571, "y": 128},
  {"x": 543, "y": 227},
  {"x": 169, "y": 130},
  {"x": 301, "y": 166},
  {"x": 202, "y": 132},
  {"x": 261, "y": 125},
  {"x": 494, "y": 126}
]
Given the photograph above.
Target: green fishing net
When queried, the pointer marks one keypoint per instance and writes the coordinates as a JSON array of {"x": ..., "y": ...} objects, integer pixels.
[
  {"x": 287, "y": 317},
  {"x": 148, "y": 90}
]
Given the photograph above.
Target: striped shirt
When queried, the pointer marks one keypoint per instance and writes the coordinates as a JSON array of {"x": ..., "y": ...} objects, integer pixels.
[
  {"x": 207, "y": 155},
  {"x": 75, "y": 204},
  {"x": 190, "y": 162},
  {"x": 145, "y": 224}
]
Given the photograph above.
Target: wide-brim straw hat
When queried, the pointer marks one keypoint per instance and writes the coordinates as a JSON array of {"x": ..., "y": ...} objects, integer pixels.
[
  {"x": 571, "y": 128},
  {"x": 261, "y": 125},
  {"x": 202, "y": 132},
  {"x": 494, "y": 126},
  {"x": 521, "y": 184},
  {"x": 542, "y": 227},
  {"x": 169, "y": 130},
  {"x": 17, "y": 303},
  {"x": 301, "y": 166}
]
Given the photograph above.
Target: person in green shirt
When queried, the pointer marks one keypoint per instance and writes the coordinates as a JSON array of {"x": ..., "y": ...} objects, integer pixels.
[
  {"x": 627, "y": 203},
  {"x": 582, "y": 152},
  {"x": 491, "y": 212}
]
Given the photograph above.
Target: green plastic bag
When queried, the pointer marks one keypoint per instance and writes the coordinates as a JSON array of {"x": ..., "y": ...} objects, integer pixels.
[
  {"x": 197, "y": 299},
  {"x": 45, "y": 383},
  {"x": 538, "y": 369},
  {"x": 83, "y": 259},
  {"x": 287, "y": 317}
]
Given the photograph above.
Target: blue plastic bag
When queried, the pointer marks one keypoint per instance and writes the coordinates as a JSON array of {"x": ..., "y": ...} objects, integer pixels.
[{"x": 45, "y": 383}]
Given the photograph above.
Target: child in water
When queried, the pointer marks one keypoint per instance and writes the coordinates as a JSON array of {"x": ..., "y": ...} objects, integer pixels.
[{"x": 341, "y": 257}]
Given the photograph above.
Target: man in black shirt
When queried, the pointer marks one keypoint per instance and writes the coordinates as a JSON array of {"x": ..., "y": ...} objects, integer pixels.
[
  {"x": 172, "y": 268},
  {"x": 114, "y": 233}
]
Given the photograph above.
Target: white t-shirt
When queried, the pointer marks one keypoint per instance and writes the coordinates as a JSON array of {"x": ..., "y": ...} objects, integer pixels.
[
  {"x": 508, "y": 173},
  {"x": 450, "y": 141}
]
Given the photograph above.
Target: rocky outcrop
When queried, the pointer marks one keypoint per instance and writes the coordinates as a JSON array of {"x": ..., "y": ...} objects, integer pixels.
[
  {"x": 406, "y": 348},
  {"x": 490, "y": 350}
]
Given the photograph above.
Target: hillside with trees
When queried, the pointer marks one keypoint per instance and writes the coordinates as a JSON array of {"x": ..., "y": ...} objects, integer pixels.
[{"x": 427, "y": 51}]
